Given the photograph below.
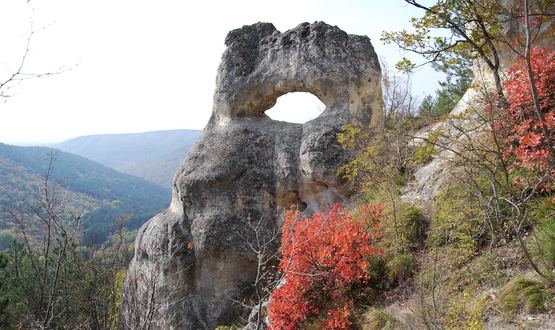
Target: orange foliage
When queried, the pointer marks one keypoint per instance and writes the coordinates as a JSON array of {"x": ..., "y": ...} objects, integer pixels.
[
  {"x": 324, "y": 260},
  {"x": 523, "y": 130}
]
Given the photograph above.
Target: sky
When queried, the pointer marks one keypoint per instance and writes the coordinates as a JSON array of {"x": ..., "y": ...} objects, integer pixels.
[{"x": 137, "y": 65}]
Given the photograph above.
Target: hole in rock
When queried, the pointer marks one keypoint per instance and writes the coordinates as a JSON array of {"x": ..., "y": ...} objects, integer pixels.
[
  {"x": 298, "y": 107},
  {"x": 301, "y": 206}
]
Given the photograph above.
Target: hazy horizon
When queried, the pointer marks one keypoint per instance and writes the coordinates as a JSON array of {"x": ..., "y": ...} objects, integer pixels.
[
  {"x": 54, "y": 143},
  {"x": 139, "y": 66}
]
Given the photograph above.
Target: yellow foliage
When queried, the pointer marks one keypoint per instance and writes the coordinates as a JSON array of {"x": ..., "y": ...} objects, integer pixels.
[
  {"x": 349, "y": 135},
  {"x": 465, "y": 313}
]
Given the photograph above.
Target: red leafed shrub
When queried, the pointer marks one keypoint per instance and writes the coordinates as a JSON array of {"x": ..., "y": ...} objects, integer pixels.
[
  {"x": 523, "y": 131},
  {"x": 324, "y": 260}
]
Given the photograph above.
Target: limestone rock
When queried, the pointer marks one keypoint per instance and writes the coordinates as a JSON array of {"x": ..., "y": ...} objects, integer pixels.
[{"x": 192, "y": 261}]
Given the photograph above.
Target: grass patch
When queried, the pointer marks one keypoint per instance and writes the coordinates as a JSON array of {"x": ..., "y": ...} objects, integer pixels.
[
  {"x": 382, "y": 320},
  {"x": 456, "y": 224},
  {"x": 400, "y": 267},
  {"x": 542, "y": 241},
  {"x": 523, "y": 294},
  {"x": 411, "y": 225}
]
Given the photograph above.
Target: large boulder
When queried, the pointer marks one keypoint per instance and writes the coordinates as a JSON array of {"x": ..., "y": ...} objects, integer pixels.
[{"x": 193, "y": 262}]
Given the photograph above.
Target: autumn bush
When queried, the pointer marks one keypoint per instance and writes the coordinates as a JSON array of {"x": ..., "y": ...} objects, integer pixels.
[
  {"x": 324, "y": 266},
  {"x": 529, "y": 133}
]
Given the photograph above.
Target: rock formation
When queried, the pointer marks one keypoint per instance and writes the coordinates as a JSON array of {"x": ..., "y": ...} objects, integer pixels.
[{"x": 192, "y": 260}]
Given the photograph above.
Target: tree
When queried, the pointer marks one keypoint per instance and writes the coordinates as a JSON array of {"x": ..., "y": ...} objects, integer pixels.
[
  {"x": 384, "y": 160},
  {"x": 48, "y": 279},
  {"x": 447, "y": 96},
  {"x": 501, "y": 136},
  {"x": 473, "y": 31},
  {"x": 529, "y": 136},
  {"x": 527, "y": 127},
  {"x": 490, "y": 153},
  {"x": 41, "y": 263},
  {"x": 11, "y": 77},
  {"x": 539, "y": 109},
  {"x": 267, "y": 278},
  {"x": 398, "y": 99},
  {"x": 9, "y": 313}
]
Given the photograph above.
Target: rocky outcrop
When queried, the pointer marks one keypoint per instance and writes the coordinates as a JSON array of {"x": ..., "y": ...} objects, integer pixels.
[{"x": 192, "y": 261}]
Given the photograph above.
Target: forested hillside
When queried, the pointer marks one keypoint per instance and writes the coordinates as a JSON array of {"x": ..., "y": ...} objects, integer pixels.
[
  {"x": 98, "y": 192},
  {"x": 154, "y": 156}
]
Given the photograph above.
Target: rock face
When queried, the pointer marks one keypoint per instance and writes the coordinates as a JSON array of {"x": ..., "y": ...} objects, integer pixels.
[{"x": 192, "y": 261}]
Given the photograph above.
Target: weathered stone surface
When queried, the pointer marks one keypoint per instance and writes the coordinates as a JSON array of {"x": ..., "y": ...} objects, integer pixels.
[{"x": 192, "y": 260}]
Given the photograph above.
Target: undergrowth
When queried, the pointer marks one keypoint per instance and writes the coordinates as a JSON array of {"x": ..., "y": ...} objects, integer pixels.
[{"x": 382, "y": 320}]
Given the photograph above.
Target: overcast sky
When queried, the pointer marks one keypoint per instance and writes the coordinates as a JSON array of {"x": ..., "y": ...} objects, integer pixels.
[{"x": 138, "y": 65}]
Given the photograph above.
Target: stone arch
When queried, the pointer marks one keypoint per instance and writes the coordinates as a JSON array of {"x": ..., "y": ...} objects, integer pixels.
[
  {"x": 261, "y": 64},
  {"x": 296, "y": 107}
]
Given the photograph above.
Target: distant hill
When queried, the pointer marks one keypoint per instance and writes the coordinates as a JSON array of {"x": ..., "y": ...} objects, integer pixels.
[
  {"x": 103, "y": 193},
  {"x": 154, "y": 156}
]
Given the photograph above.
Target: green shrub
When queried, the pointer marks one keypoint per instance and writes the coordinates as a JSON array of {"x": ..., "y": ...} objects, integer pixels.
[
  {"x": 543, "y": 246},
  {"x": 382, "y": 320},
  {"x": 400, "y": 179},
  {"x": 377, "y": 271},
  {"x": 456, "y": 224},
  {"x": 412, "y": 223},
  {"x": 12, "y": 308},
  {"x": 523, "y": 294},
  {"x": 465, "y": 313},
  {"x": 542, "y": 242},
  {"x": 487, "y": 269},
  {"x": 425, "y": 151},
  {"x": 399, "y": 268},
  {"x": 403, "y": 227}
]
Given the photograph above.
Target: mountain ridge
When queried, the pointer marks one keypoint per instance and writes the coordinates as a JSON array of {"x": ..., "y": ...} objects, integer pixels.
[
  {"x": 153, "y": 155},
  {"x": 102, "y": 192}
]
